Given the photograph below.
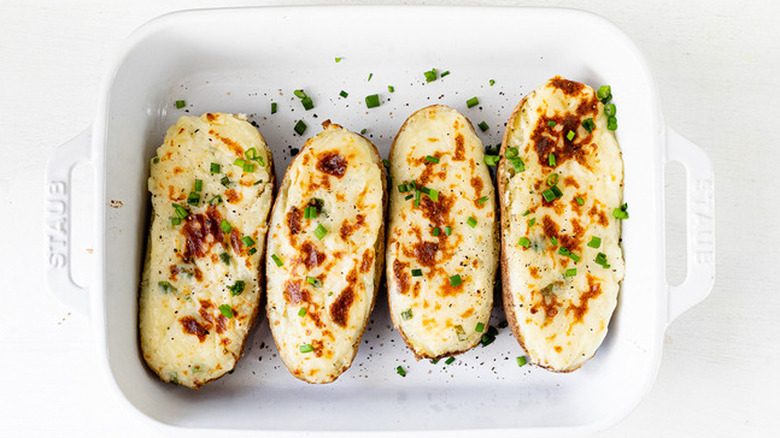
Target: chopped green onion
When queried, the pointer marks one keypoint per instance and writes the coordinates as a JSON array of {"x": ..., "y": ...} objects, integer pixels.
[
  {"x": 551, "y": 123},
  {"x": 610, "y": 109},
  {"x": 474, "y": 101},
  {"x": 277, "y": 260},
  {"x": 193, "y": 198},
  {"x": 370, "y": 75},
  {"x": 436, "y": 232},
  {"x": 492, "y": 82},
  {"x": 225, "y": 181},
  {"x": 482, "y": 200},
  {"x": 604, "y": 92},
  {"x": 343, "y": 93},
  {"x": 548, "y": 195},
  {"x": 487, "y": 339},
  {"x": 461, "y": 333},
  {"x": 480, "y": 327},
  {"x": 445, "y": 73},
  {"x": 175, "y": 221},
  {"x": 417, "y": 273},
  {"x": 181, "y": 212},
  {"x": 570, "y": 135},
  {"x": 570, "y": 272},
  {"x": 400, "y": 370},
  {"x": 314, "y": 281},
  {"x": 180, "y": 104},
  {"x": 552, "y": 179},
  {"x": 386, "y": 163},
  {"x": 215, "y": 200},
  {"x": 430, "y": 75},
  {"x": 574, "y": 257},
  {"x": 417, "y": 198},
  {"x": 239, "y": 162},
  {"x": 563, "y": 251},
  {"x": 372, "y": 101},
  {"x": 526, "y": 213},
  {"x": 306, "y": 348},
  {"x": 483, "y": 126},
  {"x": 621, "y": 212},
  {"x": 554, "y": 241},
  {"x": 225, "y": 225},
  {"x": 166, "y": 286},
  {"x": 431, "y": 159},
  {"x": 449, "y": 361},
  {"x": 237, "y": 288},
  {"x": 433, "y": 194},
  {"x": 524, "y": 242},
  {"x": 300, "y": 127},
  {"x": 517, "y": 164},
  {"x": 155, "y": 160},
  {"x": 531, "y": 222},
  {"x": 307, "y": 103},
  {"x": 612, "y": 123},
  {"x": 435, "y": 361},
  {"x": 273, "y": 107},
  {"x": 408, "y": 197},
  {"x": 320, "y": 231},
  {"x": 225, "y": 258},
  {"x": 338, "y": 59},
  {"x": 580, "y": 201},
  {"x": 252, "y": 251},
  {"x": 391, "y": 88},
  {"x": 512, "y": 152},
  {"x": 300, "y": 94},
  {"x": 588, "y": 124},
  {"x": 601, "y": 259},
  {"x": 302, "y": 311},
  {"x": 403, "y": 188},
  {"x": 521, "y": 360},
  {"x": 503, "y": 324},
  {"x": 248, "y": 241},
  {"x": 215, "y": 168},
  {"x": 448, "y": 231},
  {"x": 406, "y": 314},
  {"x": 226, "y": 310},
  {"x": 492, "y": 160},
  {"x": 455, "y": 280},
  {"x": 472, "y": 222},
  {"x": 249, "y": 168},
  {"x": 595, "y": 242},
  {"x": 551, "y": 159}
]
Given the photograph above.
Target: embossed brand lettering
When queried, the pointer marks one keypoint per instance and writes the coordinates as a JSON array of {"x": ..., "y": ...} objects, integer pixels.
[
  {"x": 57, "y": 224},
  {"x": 703, "y": 209}
]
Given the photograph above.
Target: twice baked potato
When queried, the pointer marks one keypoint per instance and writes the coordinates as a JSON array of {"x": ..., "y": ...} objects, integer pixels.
[
  {"x": 560, "y": 187},
  {"x": 442, "y": 250},
  {"x": 325, "y": 253},
  {"x": 211, "y": 185}
]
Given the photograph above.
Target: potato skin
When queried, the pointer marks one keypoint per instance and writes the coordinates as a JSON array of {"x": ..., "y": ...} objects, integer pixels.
[
  {"x": 332, "y": 329},
  {"x": 437, "y": 148}
]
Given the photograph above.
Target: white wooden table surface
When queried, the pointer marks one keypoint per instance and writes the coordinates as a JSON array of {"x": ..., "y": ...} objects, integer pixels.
[{"x": 717, "y": 64}]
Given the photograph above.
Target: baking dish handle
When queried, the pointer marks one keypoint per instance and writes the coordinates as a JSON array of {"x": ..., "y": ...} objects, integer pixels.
[
  {"x": 58, "y": 222},
  {"x": 700, "y": 224}
]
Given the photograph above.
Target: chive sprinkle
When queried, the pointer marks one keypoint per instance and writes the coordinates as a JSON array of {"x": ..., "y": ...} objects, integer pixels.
[
  {"x": 166, "y": 286},
  {"x": 521, "y": 360},
  {"x": 612, "y": 123},
  {"x": 225, "y": 181},
  {"x": 588, "y": 124},
  {"x": 320, "y": 231},
  {"x": 343, "y": 93},
  {"x": 435, "y": 361},
  {"x": 300, "y": 127},
  {"x": 314, "y": 281},
  {"x": 492, "y": 82},
  {"x": 307, "y": 103},
  {"x": 482, "y": 200},
  {"x": 524, "y": 242},
  {"x": 449, "y": 361},
  {"x": 226, "y": 310},
  {"x": 554, "y": 241},
  {"x": 175, "y": 221},
  {"x": 306, "y": 348},
  {"x": 472, "y": 102},
  {"x": 391, "y": 88},
  {"x": 601, "y": 259},
  {"x": 433, "y": 194},
  {"x": 621, "y": 212},
  {"x": 483, "y": 126},
  {"x": 300, "y": 94},
  {"x": 277, "y": 260},
  {"x": 551, "y": 159},
  {"x": 181, "y": 212},
  {"x": 431, "y": 159},
  {"x": 551, "y": 123},
  {"x": 492, "y": 160},
  {"x": 448, "y": 231},
  {"x": 215, "y": 168},
  {"x": 610, "y": 109},
  {"x": 455, "y": 280},
  {"x": 338, "y": 59},
  {"x": 370, "y": 75},
  {"x": 225, "y": 258},
  {"x": 595, "y": 242},
  {"x": 526, "y": 213},
  {"x": 273, "y": 107},
  {"x": 372, "y": 101},
  {"x": 225, "y": 225},
  {"x": 436, "y": 232},
  {"x": 480, "y": 327},
  {"x": 252, "y": 251},
  {"x": 604, "y": 92},
  {"x": 302, "y": 311},
  {"x": 570, "y": 135},
  {"x": 406, "y": 314},
  {"x": 531, "y": 222},
  {"x": 580, "y": 201},
  {"x": 248, "y": 241},
  {"x": 472, "y": 222},
  {"x": 400, "y": 370},
  {"x": 570, "y": 272},
  {"x": 512, "y": 152},
  {"x": 386, "y": 163},
  {"x": 417, "y": 198},
  {"x": 574, "y": 257},
  {"x": 552, "y": 179},
  {"x": 417, "y": 273},
  {"x": 431, "y": 75},
  {"x": 180, "y": 104},
  {"x": 237, "y": 288}
]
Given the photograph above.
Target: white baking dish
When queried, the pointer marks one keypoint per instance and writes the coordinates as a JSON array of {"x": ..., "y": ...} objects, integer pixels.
[{"x": 240, "y": 60}]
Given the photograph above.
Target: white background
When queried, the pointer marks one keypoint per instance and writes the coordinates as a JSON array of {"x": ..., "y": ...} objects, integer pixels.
[{"x": 717, "y": 64}]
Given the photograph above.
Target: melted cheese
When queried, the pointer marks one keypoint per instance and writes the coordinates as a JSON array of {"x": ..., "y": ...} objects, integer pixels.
[
  {"x": 561, "y": 320},
  {"x": 190, "y": 266},
  {"x": 434, "y": 317},
  {"x": 317, "y": 327}
]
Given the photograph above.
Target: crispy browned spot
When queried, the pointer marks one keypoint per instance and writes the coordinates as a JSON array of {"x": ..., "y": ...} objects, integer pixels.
[
  {"x": 224, "y": 342},
  {"x": 294, "y": 220},
  {"x": 570, "y": 88},
  {"x": 460, "y": 148},
  {"x": 233, "y": 197},
  {"x": 192, "y": 327},
  {"x": 310, "y": 257},
  {"x": 222, "y": 323},
  {"x": 332, "y": 163},
  {"x": 425, "y": 253},
  {"x": 339, "y": 309},
  {"x": 173, "y": 196},
  {"x": 211, "y": 117},
  {"x": 174, "y": 272},
  {"x": 438, "y": 213},
  {"x": 201, "y": 232},
  {"x": 401, "y": 274},
  {"x": 232, "y": 145},
  {"x": 367, "y": 261},
  {"x": 416, "y": 289},
  {"x": 467, "y": 313},
  {"x": 571, "y": 182},
  {"x": 318, "y": 346},
  {"x": 294, "y": 294},
  {"x": 598, "y": 215},
  {"x": 558, "y": 348},
  {"x": 177, "y": 170},
  {"x": 198, "y": 274},
  {"x": 594, "y": 290},
  {"x": 235, "y": 240},
  {"x": 477, "y": 184},
  {"x": 347, "y": 229},
  {"x": 315, "y": 317},
  {"x": 534, "y": 271},
  {"x": 447, "y": 289},
  {"x": 547, "y": 301}
]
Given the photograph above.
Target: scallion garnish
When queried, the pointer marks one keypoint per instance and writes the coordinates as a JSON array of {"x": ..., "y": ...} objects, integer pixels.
[
  {"x": 370, "y": 75},
  {"x": 449, "y": 361},
  {"x": 406, "y": 314},
  {"x": 511, "y": 152},
  {"x": 436, "y": 232},
  {"x": 306, "y": 348},
  {"x": 621, "y": 212},
  {"x": 431, "y": 159},
  {"x": 483, "y": 126},
  {"x": 314, "y": 281},
  {"x": 551, "y": 159},
  {"x": 445, "y": 73},
  {"x": 338, "y": 59},
  {"x": 604, "y": 92},
  {"x": 226, "y": 310},
  {"x": 531, "y": 222},
  {"x": 400, "y": 370},
  {"x": 237, "y": 288},
  {"x": 571, "y": 272},
  {"x": 225, "y": 225},
  {"x": 273, "y": 107},
  {"x": 175, "y": 221},
  {"x": 448, "y": 231},
  {"x": 482, "y": 200},
  {"x": 180, "y": 104},
  {"x": 391, "y": 88},
  {"x": 300, "y": 94},
  {"x": 302, "y": 311},
  {"x": 580, "y": 201},
  {"x": 554, "y": 241},
  {"x": 343, "y": 93},
  {"x": 435, "y": 361},
  {"x": 252, "y": 251},
  {"x": 480, "y": 327},
  {"x": 524, "y": 242},
  {"x": 248, "y": 241},
  {"x": 492, "y": 82},
  {"x": 433, "y": 194},
  {"x": 552, "y": 179},
  {"x": 601, "y": 259},
  {"x": 417, "y": 273},
  {"x": 215, "y": 200},
  {"x": 417, "y": 198},
  {"x": 430, "y": 75},
  {"x": 610, "y": 109},
  {"x": 551, "y": 123},
  {"x": 595, "y": 242},
  {"x": 307, "y": 103},
  {"x": 455, "y": 280},
  {"x": 166, "y": 286},
  {"x": 574, "y": 257},
  {"x": 215, "y": 168},
  {"x": 548, "y": 195},
  {"x": 193, "y": 198},
  {"x": 277, "y": 260},
  {"x": 526, "y": 213},
  {"x": 239, "y": 162},
  {"x": 521, "y": 360},
  {"x": 300, "y": 127},
  {"x": 588, "y": 124},
  {"x": 181, "y": 212},
  {"x": 320, "y": 231},
  {"x": 474, "y": 101},
  {"x": 225, "y": 258},
  {"x": 372, "y": 101},
  {"x": 386, "y": 163},
  {"x": 249, "y": 168},
  {"x": 225, "y": 181},
  {"x": 408, "y": 197},
  {"x": 492, "y": 160},
  {"x": 612, "y": 123},
  {"x": 570, "y": 135},
  {"x": 472, "y": 222},
  {"x": 517, "y": 164}
]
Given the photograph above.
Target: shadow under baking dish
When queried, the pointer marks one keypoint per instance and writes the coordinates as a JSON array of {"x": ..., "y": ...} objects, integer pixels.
[{"x": 242, "y": 60}]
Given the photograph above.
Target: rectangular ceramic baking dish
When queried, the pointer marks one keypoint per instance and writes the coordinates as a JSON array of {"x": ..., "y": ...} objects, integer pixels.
[{"x": 241, "y": 60}]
